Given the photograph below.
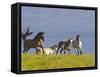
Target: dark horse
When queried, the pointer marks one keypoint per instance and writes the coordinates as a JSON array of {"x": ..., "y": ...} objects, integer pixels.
[
  {"x": 63, "y": 46},
  {"x": 33, "y": 43}
]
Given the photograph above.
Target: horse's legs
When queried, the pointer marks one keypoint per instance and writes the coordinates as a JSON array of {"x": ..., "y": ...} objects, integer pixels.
[
  {"x": 24, "y": 50},
  {"x": 75, "y": 51},
  {"x": 37, "y": 51},
  {"x": 42, "y": 48},
  {"x": 68, "y": 51},
  {"x": 64, "y": 51},
  {"x": 61, "y": 50},
  {"x": 27, "y": 50},
  {"x": 57, "y": 50},
  {"x": 81, "y": 51},
  {"x": 78, "y": 50}
]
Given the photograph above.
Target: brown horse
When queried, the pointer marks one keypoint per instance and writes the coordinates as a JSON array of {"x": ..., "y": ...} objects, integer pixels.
[
  {"x": 33, "y": 43},
  {"x": 64, "y": 45}
]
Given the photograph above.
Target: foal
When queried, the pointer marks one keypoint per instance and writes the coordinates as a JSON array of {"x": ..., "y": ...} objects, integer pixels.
[
  {"x": 64, "y": 45},
  {"x": 49, "y": 50}
]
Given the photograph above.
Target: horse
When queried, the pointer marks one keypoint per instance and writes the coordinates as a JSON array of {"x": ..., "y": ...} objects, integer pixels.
[
  {"x": 77, "y": 45},
  {"x": 36, "y": 42},
  {"x": 64, "y": 45},
  {"x": 49, "y": 50}
]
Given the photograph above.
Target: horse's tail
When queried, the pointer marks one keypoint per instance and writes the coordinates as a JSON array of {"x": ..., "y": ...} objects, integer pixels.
[
  {"x": 59, "y": 46},
  {"x": 23, "y": 37},
  {"x": 27, "y": 33}
]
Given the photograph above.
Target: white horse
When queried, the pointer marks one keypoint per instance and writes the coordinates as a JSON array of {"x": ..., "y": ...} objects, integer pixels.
[
  {"x": 50, "y": 50},
  {"x": 77, "y": 45}
]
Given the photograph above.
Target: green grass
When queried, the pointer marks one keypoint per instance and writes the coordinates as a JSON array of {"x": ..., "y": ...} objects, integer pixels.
[{"x": 40, "y": 62}]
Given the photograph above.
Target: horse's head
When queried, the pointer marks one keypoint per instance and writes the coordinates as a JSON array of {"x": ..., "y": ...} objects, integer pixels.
[
  {"x": 70, "y": 40},
  {"x": 78, "y": 37},
  {"x": 42, "y": 35},
  {"x": 54, "y": 47},
  {"x": 39, "y": 36}
]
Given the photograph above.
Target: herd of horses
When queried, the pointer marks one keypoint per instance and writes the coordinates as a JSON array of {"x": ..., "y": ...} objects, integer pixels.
[{"x": 60, "y": 48}]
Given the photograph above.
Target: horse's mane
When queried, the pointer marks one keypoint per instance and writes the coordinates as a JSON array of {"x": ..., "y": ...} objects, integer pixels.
[
  {"x": 68, "y": 43},
  {"x": 39, "y": 36},
  {"x": 78, "y": 38}
]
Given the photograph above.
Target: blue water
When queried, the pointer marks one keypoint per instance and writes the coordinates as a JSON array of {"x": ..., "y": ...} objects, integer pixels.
[{"x": 60, "y": 24}]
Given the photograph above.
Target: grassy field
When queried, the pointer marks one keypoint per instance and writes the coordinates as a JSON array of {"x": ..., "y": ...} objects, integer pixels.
[{"x": 40, "y": 62}]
